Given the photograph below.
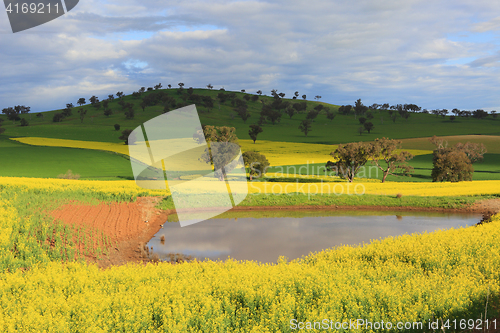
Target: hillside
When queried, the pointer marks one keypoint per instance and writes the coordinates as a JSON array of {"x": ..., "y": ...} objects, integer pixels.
[
  {"x": 343, "y": 128},
  {"x": 24, "y": 160}
]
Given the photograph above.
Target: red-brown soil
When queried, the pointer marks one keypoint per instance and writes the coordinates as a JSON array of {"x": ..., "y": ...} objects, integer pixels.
[{"x": 124, "y": 223}]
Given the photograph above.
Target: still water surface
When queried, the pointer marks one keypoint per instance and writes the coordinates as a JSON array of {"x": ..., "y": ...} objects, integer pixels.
[{"x": 269, "y": 235}]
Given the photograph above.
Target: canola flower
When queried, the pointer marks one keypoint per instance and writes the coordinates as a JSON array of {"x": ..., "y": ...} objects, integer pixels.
[
  {"x": 441, "y": 275},
  {"x": 94, "y": 145},
  {"x": 487, "y": 187},
  {"x": 277, "y": 153},
  {"x": 121, "y": 190},
  {"x": 126, "y": 190}
]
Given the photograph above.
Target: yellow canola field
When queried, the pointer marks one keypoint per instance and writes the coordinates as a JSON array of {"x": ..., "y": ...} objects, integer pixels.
[
  {"x": 118, "y": 189},
  {"x": 419, "y": 278},
  {"x": 128, "y": 188},
  {"x": 277, "y": 153},
  {"x": 487, "y": 187},
  {"x": 119, "y": 148}
]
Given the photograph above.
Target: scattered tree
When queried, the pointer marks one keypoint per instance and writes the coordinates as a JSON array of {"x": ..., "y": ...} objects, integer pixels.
[
  {"x": 311, "y": 115},
  {"x": 305, "y": 126},
  {"x": 208, "y": 102},
  {"x": 82, "y": 113},
  {"x": 128, "y": 137},
  {"x": 223, "y": 148},
  {"x": 290, "y": 111},
  {"x": 68, "y": 110},
  {"x": 361, "y": 129},
  {"x": 349, "y": 159},
  {"x": 255, "y": 163},
  {"x": 58, "y": 117},
  {"x": 304, "y": 97},
  {"x": 243, "y": 113},
  {"x": 158, "y": 86},
  {"x": 479, "y": 114},
  {"x": 210, "y": 86},
  {"x": 130, "y": 113},
  {"x": 359, "y": 108},
  {"x": 271, "y": 114},
  {"x": 454, "y": 164},
  {"x": 24, "y": 122},
  {"x": 368, "y": 126},
  {"x": 117, "y": 127},
  {"x": 329, "y": 114},
  {"x": 254, "y": 131},
  {"x": 383, "y": 153},
  {"x": 81, "y": 101},
  {"x": 93, "y": 100}
]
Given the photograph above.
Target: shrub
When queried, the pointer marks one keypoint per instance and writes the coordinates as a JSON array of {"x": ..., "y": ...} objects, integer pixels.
[
  {"x": 24, "y": 122},
  {"x": 117, "y": 127}
]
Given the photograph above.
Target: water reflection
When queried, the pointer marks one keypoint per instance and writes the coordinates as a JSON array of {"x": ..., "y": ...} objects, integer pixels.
[{"x": 266, "y": 238}]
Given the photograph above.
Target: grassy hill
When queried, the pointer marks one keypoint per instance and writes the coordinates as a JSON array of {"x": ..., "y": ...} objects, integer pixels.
[
  {"x": 24, "y": 160},
  {"x": 97, "y": 127}
]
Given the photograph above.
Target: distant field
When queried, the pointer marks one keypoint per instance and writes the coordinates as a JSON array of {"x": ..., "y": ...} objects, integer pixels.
[{"x": 491, "y": 142}]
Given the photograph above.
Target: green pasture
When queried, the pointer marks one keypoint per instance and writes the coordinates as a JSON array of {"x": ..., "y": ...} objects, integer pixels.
[{"x": 20, "y": 160}]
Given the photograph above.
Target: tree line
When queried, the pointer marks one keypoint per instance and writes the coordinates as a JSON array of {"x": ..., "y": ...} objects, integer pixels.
[{"x": 452, "y": 164}]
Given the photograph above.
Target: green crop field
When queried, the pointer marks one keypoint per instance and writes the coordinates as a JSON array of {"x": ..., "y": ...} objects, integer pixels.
[{"x": 20, "y": 160}]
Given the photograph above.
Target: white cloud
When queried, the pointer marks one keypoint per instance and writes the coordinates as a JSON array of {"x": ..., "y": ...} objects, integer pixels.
[{"x": 381, "y": 51}]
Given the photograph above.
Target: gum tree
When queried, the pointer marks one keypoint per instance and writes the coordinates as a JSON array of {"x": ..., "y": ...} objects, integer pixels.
[
  {"x": 349, "y": 159},
  {"x": 383, "y": 153}
]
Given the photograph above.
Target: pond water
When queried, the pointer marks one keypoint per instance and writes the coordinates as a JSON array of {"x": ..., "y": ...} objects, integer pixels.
[{"x": 264, "y": 236}]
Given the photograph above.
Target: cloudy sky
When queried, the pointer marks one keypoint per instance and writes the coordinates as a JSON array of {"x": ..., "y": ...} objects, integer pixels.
[{"x": 436, "y": 54}]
